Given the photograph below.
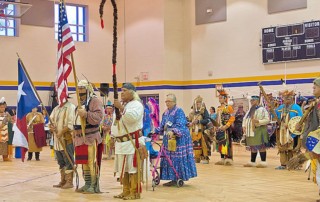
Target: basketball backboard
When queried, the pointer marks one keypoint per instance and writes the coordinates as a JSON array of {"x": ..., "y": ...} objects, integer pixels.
[{"x": 12, "y": 9}]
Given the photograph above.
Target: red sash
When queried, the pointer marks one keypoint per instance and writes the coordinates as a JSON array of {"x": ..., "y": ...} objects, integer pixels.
[{"x": 136, "y": 140}]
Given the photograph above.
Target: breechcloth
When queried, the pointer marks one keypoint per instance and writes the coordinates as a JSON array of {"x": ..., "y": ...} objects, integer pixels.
[
  {"x": 200, "y": 146},
  {"x": 90, "y": 167},
  {"x": 288, "y": 153},
  {"x": 39, "y": 135},
  {"x": 81, "y": 154}
]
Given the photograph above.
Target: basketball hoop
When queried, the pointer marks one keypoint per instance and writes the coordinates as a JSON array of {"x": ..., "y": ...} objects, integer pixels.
[{"x": 11, "y": 9}]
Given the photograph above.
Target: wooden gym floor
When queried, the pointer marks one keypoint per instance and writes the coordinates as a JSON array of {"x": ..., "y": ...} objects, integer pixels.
[{"x": 33, "y": 180}]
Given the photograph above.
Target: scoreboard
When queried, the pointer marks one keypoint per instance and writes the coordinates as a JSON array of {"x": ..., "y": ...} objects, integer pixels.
[{"x": 291, "y": 42}]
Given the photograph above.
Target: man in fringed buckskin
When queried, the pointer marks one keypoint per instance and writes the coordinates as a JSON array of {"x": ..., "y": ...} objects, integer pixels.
[
  {"x": 62, "y": 117},
  {"x": 87, "y": 145},
  {"x": 289, "y": 142},
  {"x": 311, "y": 136}
]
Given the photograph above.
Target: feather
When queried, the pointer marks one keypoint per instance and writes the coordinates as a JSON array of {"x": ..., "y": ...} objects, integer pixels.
[
  {"x": 307, "y": 165},
  {"x": 2, "y": 100},
  {"x": 154, "y": 112}
]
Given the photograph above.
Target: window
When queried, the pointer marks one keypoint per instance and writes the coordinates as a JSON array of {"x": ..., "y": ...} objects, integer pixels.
[
  {"x": 8, "y": 26},
  {"x": 76, "y": 19}
]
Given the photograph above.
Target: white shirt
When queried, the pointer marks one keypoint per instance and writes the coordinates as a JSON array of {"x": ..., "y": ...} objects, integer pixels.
[
  {"x": 132, "y": 118},
  {"x": 62, "y": 117},
  {"x": 261, "y": 114}
]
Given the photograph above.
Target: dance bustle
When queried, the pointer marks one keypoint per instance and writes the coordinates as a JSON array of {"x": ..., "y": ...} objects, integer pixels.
[{"x": 296, "y": 161}]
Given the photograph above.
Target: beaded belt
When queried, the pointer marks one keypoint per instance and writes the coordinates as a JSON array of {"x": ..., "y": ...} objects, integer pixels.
[
  {"x": 125, "y": 138},
  {"x": 87, "y": 133}
]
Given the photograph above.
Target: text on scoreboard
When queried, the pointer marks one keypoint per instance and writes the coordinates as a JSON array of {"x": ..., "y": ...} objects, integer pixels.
[{"x": 291, "y": 42}]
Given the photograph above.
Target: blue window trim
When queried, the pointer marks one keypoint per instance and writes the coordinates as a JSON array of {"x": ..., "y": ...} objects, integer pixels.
[
  {"x": 77, "y": 23},
  {"x": 14, "y": 26},
  {"x": 76, "y": 34}
]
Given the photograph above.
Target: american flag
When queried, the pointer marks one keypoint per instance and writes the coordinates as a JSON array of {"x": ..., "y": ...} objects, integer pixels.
[{"x": 65, "y": 48}]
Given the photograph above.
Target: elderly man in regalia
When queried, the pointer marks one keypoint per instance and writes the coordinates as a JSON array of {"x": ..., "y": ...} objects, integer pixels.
[
  {"x": 198, "y": 120},
  {"x": 87, "y": 145},
  {"x": 289, "y": 142}
]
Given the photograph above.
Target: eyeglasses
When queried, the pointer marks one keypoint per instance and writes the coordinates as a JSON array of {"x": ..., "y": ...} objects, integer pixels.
[{"x": 168, "y": 101}]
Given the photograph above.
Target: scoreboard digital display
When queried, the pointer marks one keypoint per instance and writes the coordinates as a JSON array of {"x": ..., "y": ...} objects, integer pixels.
[{"x": 291, "y": 42}]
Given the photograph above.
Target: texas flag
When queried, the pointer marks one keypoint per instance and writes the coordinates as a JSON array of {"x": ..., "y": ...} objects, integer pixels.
[{"x": 27, "y": 100}]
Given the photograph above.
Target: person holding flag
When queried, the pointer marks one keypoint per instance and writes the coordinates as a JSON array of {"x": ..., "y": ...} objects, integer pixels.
[
  {"x": 89, "y": 146},
  {"x": 65, "y": 49},
  {"x": 62, "y": 117}
]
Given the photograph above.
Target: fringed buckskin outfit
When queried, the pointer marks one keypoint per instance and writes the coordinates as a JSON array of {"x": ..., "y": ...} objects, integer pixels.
[
  {"x": 288, "y": 141},
  {"x": 199, "y": 118},
  {"x": 5, "y": 119},
  {"x": 63, "y": 119},
  {"x": 33, "y": 118},
  {"x": 311, "y": 136},
  {"x": 87, "y": 146}
]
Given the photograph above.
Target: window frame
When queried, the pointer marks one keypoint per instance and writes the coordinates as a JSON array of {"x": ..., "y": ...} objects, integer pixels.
[
  {"x": 8, "y": 26},
  {"x": 76, "y": 35}
]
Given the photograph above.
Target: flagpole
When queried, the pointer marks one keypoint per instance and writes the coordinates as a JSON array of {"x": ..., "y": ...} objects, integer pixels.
[
  {"x": 33, "y": 87},
  {"x": 83, "y": 124},
  {"x": 31, "y": 83},
  {"x": 43, "y": 108}
]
